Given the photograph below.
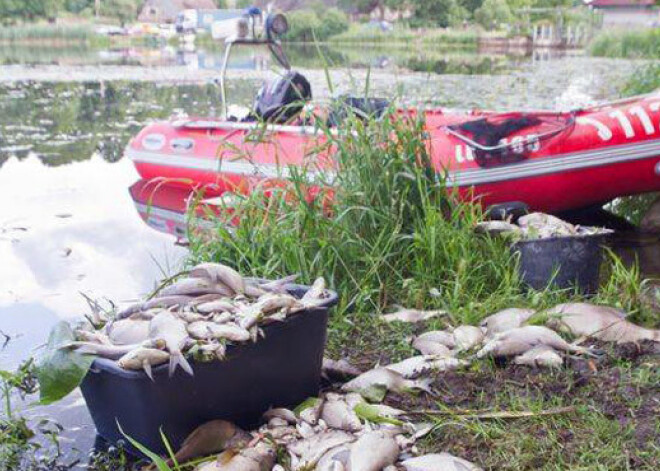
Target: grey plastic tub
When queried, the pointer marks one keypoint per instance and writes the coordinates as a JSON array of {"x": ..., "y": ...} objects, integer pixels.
[
  {"x": 281, "y": 369},
  {"x": 562, "y": 262}
]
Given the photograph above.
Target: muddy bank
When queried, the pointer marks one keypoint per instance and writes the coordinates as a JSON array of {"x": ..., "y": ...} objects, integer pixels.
[{"x": 615, "y": 400}]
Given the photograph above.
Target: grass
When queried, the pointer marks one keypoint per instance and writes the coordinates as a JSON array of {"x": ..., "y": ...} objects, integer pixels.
[
  {"x": 45, "y": 32},
  {"x": 625, "y": 43},
  {"x": 357, "y": 34}
]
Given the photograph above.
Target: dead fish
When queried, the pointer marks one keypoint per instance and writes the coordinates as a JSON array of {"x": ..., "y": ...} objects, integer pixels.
[
  {"x": 173, "y": 331},
  {"x": 438, "y": 462},
  {"x": 94, "y": 336},
  {"x": 375, "y": 383},
  {"x": 543, "y": 226},
  {"x": 519, "y": 340},
  {"x": 260, "y": 457},
  {"x": 310, "y": 450},
  {"x": 340, "y": 369},
  {"x": 338, "y": 415},
  {"x": 540, "y": 356},
  {"x": 219, "y": 273},
  {"x": 335, "y": 459},
  {"x": 266, "y": 306},
  {"x": 310, "y": 410},
  {"x": 211, "y": 437},
  {"x": 143, "y": 358},
  {"x": 467, "y": 337},
  {"x": 424, "y": 364},
  {"x": 600, "y": 322},
  {"x": 204, "y": 330},
  {"x": 411, "y": 315},
  {"x": 427, "y": 347},
  {"x": 222, "y": 317},
  {"x": 112, "y": 352},
  {"x": 195, "y": 286},
  {"x": 316, "y": 293},
  {"x": 278, "y": 286},
  {"x": 219, "y": 305},
  {"x": 189, "y": 317},
  {"x": 438, "y": 336},
  {"x": 496, "y": 227},
  {"x": 373, "y": 451},
  {"x": 506, "y": 319},
  {"x": 205, "y": 298},
  {"x": 281, "y": 413},
  {"x": 128, "y": 331},
  {"x": 158, "y": 302}
]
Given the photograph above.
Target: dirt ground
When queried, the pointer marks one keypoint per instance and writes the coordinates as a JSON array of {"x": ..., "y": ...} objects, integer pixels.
[{"x": 609, "y": 412}]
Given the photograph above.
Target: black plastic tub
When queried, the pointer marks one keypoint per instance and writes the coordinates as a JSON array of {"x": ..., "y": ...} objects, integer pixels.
[
  {"x": 562, "y": 262},
  {"x": 281, "y": 369}
]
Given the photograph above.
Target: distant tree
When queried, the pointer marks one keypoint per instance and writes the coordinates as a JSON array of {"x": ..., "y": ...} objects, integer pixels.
[
  {"x": 76, "y": 6},
  {"x": 441, "y": 13},
  {"x": 222, "y": 4},
  {"x": 471, "y": 5},
  {"x": 123, "y": 10},
  {"x": 493, "y": 13}
]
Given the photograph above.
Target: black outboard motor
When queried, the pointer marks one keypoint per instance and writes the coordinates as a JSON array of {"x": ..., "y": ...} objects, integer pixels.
[{"x": 282, "y": 99}]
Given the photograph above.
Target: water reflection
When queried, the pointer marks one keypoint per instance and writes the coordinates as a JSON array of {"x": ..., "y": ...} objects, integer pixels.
[{"x": 301, "y": 56}]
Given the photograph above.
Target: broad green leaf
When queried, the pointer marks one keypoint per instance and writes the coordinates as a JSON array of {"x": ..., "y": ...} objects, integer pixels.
[
  {"x": 374, "y": 393},
  {"x": 60, "y": 371},
  {"x": 306, "y": 404},
  {"x": 160, "y": 463},
  {"x": 373, "y": 414}
]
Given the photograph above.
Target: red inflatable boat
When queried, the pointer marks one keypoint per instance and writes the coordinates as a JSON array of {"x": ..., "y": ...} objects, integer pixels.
[{"x": 549, "y": 161}]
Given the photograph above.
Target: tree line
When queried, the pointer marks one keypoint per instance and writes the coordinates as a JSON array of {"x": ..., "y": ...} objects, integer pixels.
[{"x": 444, "y": 13}]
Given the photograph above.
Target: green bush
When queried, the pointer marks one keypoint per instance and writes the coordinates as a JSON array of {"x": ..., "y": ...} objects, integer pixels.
[
  {"x": 493, "y": 13},
  {"x": 307, "y": 24},
  {"x": 634, "y": 44}
]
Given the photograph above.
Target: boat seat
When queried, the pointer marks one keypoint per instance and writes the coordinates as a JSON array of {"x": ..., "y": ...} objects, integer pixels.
[{"x": 363, "y": 108}]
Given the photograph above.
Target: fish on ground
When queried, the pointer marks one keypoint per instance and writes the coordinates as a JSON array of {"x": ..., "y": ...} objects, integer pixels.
[
  {"x": 438, "y": 462},
  {"x": 338, "y": 415},
  {"x": 339, "y": 369},
  {"x": 599, "y": 322},
  {"x": 506, "y": 319},
  {"x": 467, "y": 337},
  {"x": 411, "y": 315},
  {"x": 211, "y": 437},
  {"x": 373, "y": 451},
  {"x": 519, "y": 340},
  {"x": 540, "y": 356},
  {"x": 420, "y": 365},
  {"x": 374, "y": 384}
]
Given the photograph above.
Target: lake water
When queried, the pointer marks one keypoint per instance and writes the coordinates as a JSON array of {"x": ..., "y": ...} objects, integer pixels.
[{"x": 68, "y": 224}]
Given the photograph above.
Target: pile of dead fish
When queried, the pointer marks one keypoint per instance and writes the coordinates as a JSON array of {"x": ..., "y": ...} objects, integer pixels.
[
  {"x": 197, "y": 315},
  {"x": 334, "y": 432},
  {"x": 538, "y": 226},
  {"x": 512, "y": 333}
]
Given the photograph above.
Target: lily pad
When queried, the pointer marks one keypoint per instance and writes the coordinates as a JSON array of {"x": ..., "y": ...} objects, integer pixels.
[{"x": 60, "y": 371}]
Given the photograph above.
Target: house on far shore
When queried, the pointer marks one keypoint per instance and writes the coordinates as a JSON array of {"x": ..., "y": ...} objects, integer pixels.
[
  {"x": 626, "y": 13},
  {"x": 165, "y": 11}
]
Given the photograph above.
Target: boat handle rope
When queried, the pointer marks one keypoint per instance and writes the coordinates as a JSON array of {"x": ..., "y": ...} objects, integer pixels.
[{"x": 506, "y": 146}]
